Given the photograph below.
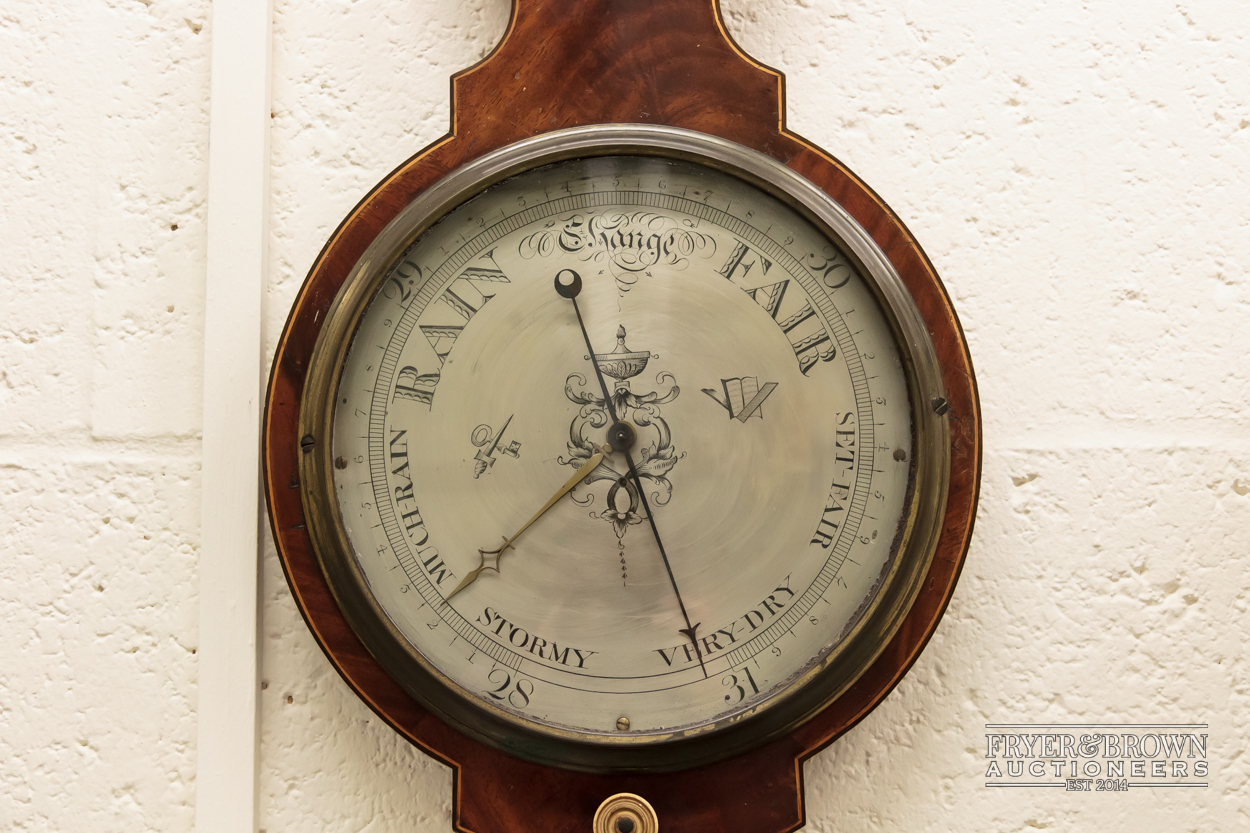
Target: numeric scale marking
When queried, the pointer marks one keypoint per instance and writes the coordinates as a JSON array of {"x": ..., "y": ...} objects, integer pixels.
[
  {"x": 447, "y": 273},
  {"x": 453, "y": 268}
]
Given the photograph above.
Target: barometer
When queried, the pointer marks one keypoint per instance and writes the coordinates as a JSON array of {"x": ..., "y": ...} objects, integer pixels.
[{"x": 622, "y": 451}]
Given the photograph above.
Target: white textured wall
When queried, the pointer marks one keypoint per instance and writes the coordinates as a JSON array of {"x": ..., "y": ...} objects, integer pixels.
[
  {"x": 1077, "y": 171},
  {"x": 103, "y": 131}
]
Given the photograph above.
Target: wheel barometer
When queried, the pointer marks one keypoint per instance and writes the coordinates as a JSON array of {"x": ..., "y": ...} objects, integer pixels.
[{"x": 622, "y": 445}]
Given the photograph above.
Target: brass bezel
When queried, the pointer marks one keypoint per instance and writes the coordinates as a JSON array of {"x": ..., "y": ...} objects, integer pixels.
[{"x": 809, "y": 692}]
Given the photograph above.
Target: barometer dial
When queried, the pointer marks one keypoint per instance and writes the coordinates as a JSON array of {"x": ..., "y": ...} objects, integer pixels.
[{"x": 621, "y": 453}]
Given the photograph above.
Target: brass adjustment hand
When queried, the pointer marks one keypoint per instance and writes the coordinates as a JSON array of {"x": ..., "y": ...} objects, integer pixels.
[{"x": 590, "y": 465}]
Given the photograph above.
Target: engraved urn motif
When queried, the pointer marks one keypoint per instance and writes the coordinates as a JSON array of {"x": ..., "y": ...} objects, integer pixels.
[{"x": 621, "y": 363}]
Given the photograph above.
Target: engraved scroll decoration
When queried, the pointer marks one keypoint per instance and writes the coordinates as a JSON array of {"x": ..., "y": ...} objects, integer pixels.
[{"x": 656, "y": 455}]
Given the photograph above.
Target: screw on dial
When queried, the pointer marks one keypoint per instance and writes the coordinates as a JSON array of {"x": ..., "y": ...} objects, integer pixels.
[{"x": 621, "y": 436}]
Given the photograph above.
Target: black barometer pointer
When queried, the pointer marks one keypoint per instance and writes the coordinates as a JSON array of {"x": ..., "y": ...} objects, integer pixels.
[{"x": 621, "y": 437}]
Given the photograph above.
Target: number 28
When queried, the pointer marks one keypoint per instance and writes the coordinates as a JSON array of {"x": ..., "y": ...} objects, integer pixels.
[{"x": 518, "y": 697}]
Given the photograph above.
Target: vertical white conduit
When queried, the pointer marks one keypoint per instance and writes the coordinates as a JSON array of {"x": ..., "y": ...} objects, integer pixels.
[{"x": 238, "y": 181}]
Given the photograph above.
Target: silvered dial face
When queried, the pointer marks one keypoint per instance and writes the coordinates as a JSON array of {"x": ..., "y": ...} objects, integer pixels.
[{"x": 773, "y": 445}]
